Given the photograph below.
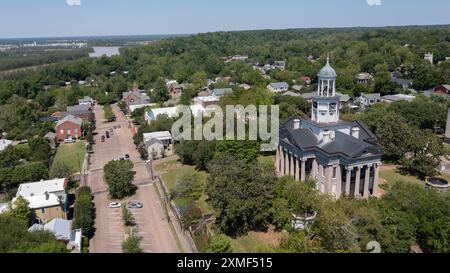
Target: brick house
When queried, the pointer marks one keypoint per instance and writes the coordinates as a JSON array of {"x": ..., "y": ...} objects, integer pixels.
[
  {"x": 135, "y": 96},
  {"x": 69, "y": 127},
  {"x": 174, "y": 89},
  {"x": 442, "y": 89}
]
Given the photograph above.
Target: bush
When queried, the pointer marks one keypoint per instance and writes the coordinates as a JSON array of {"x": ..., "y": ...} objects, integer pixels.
[{"x": 131, "y": 245}]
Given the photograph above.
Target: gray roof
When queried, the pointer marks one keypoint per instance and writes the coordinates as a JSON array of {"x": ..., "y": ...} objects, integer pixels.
[
  {"x": 78, "y": 108},
  {"x": 70, "y": 118},
  {"x": 221, "y": 92},
  {"x": 342, "y": 145},
  {"x": 153, "y": 141},
  {"x": 327, "y": 71},
  {"x": 298, "y": 87},
  {"x": 291, "y": 94},
  {"x": 59, "y": 227},
  {"x": 279, "y": 85},
  {"x": 402, "y": 82},
  {"x": 372, "y": 96}
]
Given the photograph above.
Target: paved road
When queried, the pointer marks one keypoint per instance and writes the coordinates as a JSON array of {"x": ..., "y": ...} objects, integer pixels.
[{"x": 152, "y": 226}]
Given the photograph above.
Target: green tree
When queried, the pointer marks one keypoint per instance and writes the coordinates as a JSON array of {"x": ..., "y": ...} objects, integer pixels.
[
  {"x": 131, "y": 245},
  {"x": 159, "y": 93},
  {"x": 119, "y": 176},
  {"x": 219, "y": 244},
  {"x": 20, "y": 210},
  {"x": 188, "y": 186}
]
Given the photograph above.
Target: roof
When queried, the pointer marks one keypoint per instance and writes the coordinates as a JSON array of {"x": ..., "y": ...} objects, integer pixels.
[
  {"x": 78, "y": 108},
  {"x": 327, "y": 71},
  {"x": 372, "y": 96},
  {"x": 153, "y": 141},
  {"x": 398, "y": 97},
  {"x": 135, "y": 107},
  {"x": 62, "y": 229},
  {"x": 446, "y": 86},
  {"x": 50, "y": 135},
  {"x": 364, "y": 76},
  {"x": 152, "y": 114},
  {"x": 4, "y": 143},
  {"x": 70, "y": 118},
  {"x": 279, "y": 85},
  {"x": 86, "y": 99},
  {"x": 163, "y": 135},
  {"x": 298, "y": 87},
  {"x": 402, "y": 82},
  {"x": 221, "y": 92},
  {"x": 41, "y": 201},
  {"x": 41, "y": 187},
  {"x": 292, "y": 94},
  {"x": 3, "y": 207}
]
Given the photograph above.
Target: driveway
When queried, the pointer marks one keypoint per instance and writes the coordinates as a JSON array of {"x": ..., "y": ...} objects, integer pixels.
[{"x": 152, "y": 226}]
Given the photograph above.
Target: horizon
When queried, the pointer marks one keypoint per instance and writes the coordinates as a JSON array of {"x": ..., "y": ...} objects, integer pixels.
[
  {"x": 95, "y": 18},
  {"x": 238, "y": 30}
]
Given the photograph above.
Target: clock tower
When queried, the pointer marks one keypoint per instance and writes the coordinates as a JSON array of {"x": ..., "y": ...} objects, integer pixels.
[{"x": 325, "y": 108}]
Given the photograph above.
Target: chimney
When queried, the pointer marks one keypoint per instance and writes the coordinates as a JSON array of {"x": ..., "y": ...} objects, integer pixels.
[
  {"x": 326, "y": 137},
  {"x": 355, "y": 132},
  {"x": 296, "y": 124},
  {"x": 47, "y": 196}
]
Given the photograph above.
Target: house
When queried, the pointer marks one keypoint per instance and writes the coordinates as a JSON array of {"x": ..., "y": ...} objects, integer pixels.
[
  {"x": 56, "y": 186},
  {"x": 399, "y": 97},
  {"x": 158, "y": 144},
  {"x": 429, "y": 57},
  {"x": 279, "y": 65},
  {"x": 343, "y": 158},
  {"x": 174, "y": 89},
  {"x": 364, "y": 78},
  {"x": 171, "y": 112},
  {"x": 62, "y": 229},
  {"x": 306, "y": 79},
  {"x": 278, "y": 87},
  {"x": 206, "y": 101},
  {"x": 51, "y": 138},
  {"x": 4, "y": 143},
  {"x": 86, "y": 101},
  {"x": 406, "y": 84},
  {"x": 135, "y": 96},
  {"x": 442, "y": 89},
  {"x": 221, "y": 92},
  {"x": 223, "y": 79},
  {"x": 70, "y": 127},
  {"x": 245, "y": 86},
  {"x": 369, "y": 99}
]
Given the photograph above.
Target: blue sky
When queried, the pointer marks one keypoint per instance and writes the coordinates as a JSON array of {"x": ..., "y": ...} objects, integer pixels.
[{"x": 54, "y": 18}]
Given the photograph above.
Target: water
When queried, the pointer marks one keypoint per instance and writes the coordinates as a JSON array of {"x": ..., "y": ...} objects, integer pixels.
[{"x": 104, "y": 50}]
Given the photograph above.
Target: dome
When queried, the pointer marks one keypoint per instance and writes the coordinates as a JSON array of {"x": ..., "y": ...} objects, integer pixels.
[{"x": 327, "y": 71}]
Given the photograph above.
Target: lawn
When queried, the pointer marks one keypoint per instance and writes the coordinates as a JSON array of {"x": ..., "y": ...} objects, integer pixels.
[
  {"x": 72, "y": 155},
  {"x": 257, "y": 242},
  {"x": 170, "y": 171},
  {"x": 394, "y": 175}
]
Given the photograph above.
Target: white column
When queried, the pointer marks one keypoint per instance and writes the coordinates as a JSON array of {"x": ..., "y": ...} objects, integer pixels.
[
  {"x": 297, "y": 169},
  {"x": 282, "y": 171},
  {"x": 366, "y": 182},
  {"x": 348, "y": 180},
  {"x": 314, "y": 169},
  {"x": 303, "y": 171},
  {"x": 338, "y": 181},
  {"x": 286, "y": 163},
  {"x": 375, "y": 181},
  {"x": 278, "y": 160},
  {"x": 358, "y": 181},
  {"x": 291, "y": 170}
]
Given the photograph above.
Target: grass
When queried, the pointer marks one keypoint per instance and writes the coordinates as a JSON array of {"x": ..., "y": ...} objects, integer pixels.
[
  {"x": 72, "y": 155},
  {"x": 170, "y": 171},
  {"x": 257, "y": 242},
  {"x": 394, "y": 175}
]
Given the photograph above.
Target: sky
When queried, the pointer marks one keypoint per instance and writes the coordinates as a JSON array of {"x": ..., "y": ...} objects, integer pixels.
[{"x": 62, "y": 18}]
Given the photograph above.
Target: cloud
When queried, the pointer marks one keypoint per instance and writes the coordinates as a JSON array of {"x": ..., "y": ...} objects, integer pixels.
[
  {"x": 73, "y": 2},
  {"x": 374, "y": 2}
]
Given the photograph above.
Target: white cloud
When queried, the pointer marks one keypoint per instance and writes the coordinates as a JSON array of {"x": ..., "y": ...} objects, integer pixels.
[
  {"x": 374, "y": 2},
  {"x": 73, "y": 2}
]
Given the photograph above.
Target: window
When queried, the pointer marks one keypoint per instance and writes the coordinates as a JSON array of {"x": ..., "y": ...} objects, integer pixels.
[
  {"x": 76, "y": 131},
  {"x": 334, "y": 172},
  {"x": 323, "y": 171},
  {"x": 62, "y": 131},
  {"x": 43, "y": 210},
  {"x": 68, "y": 132}
]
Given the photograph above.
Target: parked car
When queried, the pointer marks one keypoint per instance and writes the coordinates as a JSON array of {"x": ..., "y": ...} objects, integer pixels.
[
  {"x": 103, "y": 138},
  {"x": 111, "y": 132},
  {"x": 115, "y": 127},
  {"x": 107, "y": 134},
  {"x": 127, "y": 157},
  {"x": 69, "y": 141},
  {"x": 115, "y": 205},
  {"x": 135, "y": 205}
]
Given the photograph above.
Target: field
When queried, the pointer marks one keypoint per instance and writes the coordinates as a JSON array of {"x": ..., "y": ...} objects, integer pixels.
[
  {"x": 257, "y": 242},
  {"x": 72, "y": 155},
  {"x": 393, "y": 175}
]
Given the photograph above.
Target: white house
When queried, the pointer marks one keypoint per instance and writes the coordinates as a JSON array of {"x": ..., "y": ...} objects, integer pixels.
[
  {"x": 57, "y": 187},
  {"x": 171, "y": 112},
  {"x": 369, "y": 99},
  {"x": 278, "y": 87},
  {"x": 86, "y": 101},
  {"x": 158, "y": 144},
  {"x": 62, "y": 229}
]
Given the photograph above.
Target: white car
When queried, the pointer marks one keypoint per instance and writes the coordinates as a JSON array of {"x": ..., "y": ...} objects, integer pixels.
[
  {"x": 69, "y": 141},
  {"x": 115, "y": 205}
]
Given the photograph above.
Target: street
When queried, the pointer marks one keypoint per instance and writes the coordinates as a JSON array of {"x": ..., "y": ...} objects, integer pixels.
[{"x": 151, "y": 223}]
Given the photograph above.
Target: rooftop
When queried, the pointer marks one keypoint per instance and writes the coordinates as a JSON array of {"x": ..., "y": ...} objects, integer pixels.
[
  {"x": 41, "y": 187},
  {"x": 163, "y": 135},
  {"x": 70, "y": 118},
  {"x": 41, "y": 201}
]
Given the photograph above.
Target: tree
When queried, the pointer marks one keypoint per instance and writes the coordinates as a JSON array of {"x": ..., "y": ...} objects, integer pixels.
[
  {"x": 188, "y": 186},
  {"x": 119, "y": 176},
  {"x": 219, "y": 244},
  {"x": 241, "y": 193},
  {"x": 245, "y": 150},
  {"x": 60, "y": 170},
  {"x": 204, "y": 153},
  {"x": 186, "y": 150},
  {"x": 159, "y": 93},
  {"x": 83, "y": 211},
  {"x": 131, "y": 245},
  {"x": 108, "y": 113},
  {"x": 20, "y": 210}
]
